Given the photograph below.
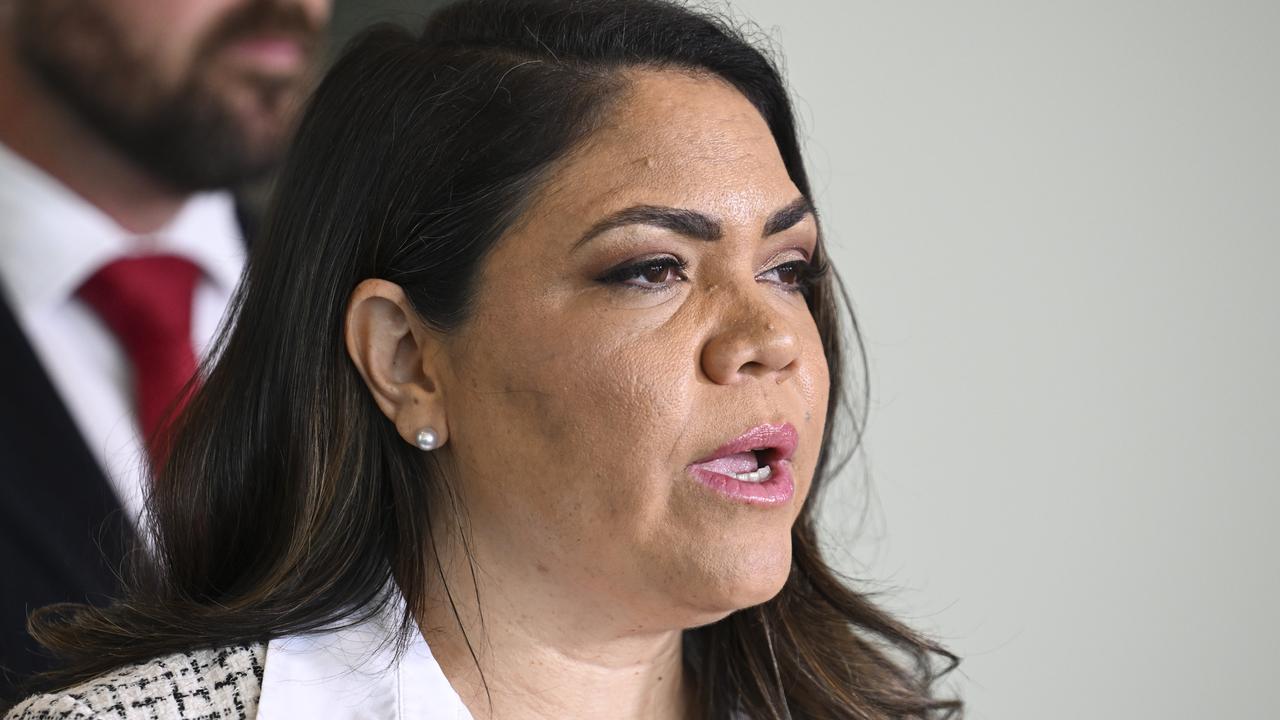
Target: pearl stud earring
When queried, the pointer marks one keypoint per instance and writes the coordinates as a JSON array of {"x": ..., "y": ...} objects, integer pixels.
[{"x": 427, "y": 439}]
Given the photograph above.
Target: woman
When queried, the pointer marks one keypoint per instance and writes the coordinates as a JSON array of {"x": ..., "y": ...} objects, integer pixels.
[{"x": 525, "y": 410}]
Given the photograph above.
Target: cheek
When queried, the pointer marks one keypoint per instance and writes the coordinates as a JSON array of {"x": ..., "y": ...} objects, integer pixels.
[
  {"x": 813, "y": 384},
  {"x": 168, "y": 32},
  {"x": 587, "y": 414}
]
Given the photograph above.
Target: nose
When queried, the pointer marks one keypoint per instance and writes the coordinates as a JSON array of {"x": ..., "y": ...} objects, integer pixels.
[
  {"x": 320, "y": 10},
  {"x": 751, "y": 341}
]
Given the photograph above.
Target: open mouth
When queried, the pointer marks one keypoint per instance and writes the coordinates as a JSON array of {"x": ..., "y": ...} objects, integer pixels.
[{"x": 753, "y": 467}]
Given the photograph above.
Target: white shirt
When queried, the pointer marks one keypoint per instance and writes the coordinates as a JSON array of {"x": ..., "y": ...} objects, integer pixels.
[
  {"x": 51, "y": 241},
  {"x": 353, "y": 674}
]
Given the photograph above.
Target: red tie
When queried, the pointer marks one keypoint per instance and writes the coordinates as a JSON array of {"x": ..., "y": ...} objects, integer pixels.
[{"x": 146, "y": 302}]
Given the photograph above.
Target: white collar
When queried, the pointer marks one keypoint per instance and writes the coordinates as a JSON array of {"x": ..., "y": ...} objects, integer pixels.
[
  {"x": 354, "y": 673},
  {"x": 52, "y": 240}
]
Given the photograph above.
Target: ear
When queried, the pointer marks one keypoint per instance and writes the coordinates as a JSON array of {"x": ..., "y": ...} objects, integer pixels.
[{"x": 397, "y": 356}]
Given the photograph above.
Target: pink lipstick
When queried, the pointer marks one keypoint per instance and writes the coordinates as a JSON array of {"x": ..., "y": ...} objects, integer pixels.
[{"x": 753, "y": 468}]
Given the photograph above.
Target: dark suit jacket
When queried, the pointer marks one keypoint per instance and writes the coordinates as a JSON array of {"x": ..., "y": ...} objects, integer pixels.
[{"x": 63, "y": 533}]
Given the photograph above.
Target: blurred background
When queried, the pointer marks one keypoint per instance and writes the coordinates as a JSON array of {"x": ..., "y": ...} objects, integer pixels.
[{"x": 1060, "y": 224}]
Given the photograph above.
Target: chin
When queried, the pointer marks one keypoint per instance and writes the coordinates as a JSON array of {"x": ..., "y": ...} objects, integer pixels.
[
  {"x": 766, "y": 581},
  {"x": 744, "y": 577}
]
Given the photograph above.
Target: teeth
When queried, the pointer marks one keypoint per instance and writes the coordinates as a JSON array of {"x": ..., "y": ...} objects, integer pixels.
[{"x": 755, "y": 476}]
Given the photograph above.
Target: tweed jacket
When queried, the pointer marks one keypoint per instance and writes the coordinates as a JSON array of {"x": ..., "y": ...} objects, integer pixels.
[
  {"x": 216, "y": 684},
  {"x": 342, "y": 673}
]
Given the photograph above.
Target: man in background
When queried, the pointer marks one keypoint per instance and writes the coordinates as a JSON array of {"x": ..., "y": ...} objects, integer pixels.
[{"x": 123, "y": 126}]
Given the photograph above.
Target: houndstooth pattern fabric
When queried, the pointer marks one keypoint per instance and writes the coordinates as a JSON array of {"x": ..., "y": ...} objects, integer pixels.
[{"x": 216, "y": 684}]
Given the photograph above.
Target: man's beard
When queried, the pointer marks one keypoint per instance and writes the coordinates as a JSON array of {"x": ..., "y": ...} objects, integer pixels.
[{"x": 190, "y": 136}]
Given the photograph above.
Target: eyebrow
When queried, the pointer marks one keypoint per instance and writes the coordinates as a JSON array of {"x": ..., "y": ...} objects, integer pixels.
[{"x": 692, "y": 223}]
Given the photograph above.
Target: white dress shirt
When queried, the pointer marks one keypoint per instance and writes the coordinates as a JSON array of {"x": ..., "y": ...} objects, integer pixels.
[
  {"x": 51, "y": 241},
  {"x": 353, "y": 674}
]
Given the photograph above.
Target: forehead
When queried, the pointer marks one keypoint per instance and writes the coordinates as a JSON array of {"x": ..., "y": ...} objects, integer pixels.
[{"x": 676, "y": 139}]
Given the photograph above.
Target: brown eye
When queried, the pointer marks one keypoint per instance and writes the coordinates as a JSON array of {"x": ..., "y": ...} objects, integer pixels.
[
  {"x": 788, "y": 274},
  {"x": 795, "y": 275},
  {"x": 658, "y": 273},
  {"x": 651, "y": 274}
]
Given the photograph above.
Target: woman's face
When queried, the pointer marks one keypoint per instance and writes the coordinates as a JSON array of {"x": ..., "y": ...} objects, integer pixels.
[{"x": 645, "y": 312}]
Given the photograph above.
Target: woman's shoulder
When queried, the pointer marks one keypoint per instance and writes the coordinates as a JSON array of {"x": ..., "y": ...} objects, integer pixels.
[{"x": 223, "y": 682}]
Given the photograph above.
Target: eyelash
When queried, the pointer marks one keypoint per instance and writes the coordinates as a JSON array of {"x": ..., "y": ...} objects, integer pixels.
[{"x": 808, "y": 273}]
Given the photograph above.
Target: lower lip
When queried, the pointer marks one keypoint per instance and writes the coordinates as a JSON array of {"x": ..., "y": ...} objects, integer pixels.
[
  {"x": 280, "y": 55},
  {"x": 777, "y": 490}
]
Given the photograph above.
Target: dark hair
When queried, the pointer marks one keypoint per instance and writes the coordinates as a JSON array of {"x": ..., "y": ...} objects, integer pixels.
[{"x": 289, "y": 501}]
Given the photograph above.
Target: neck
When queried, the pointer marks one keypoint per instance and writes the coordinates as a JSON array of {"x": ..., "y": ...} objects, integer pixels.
[
  {"x": 539, "y": 655},
  {"x": 39, "y": 127}
]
